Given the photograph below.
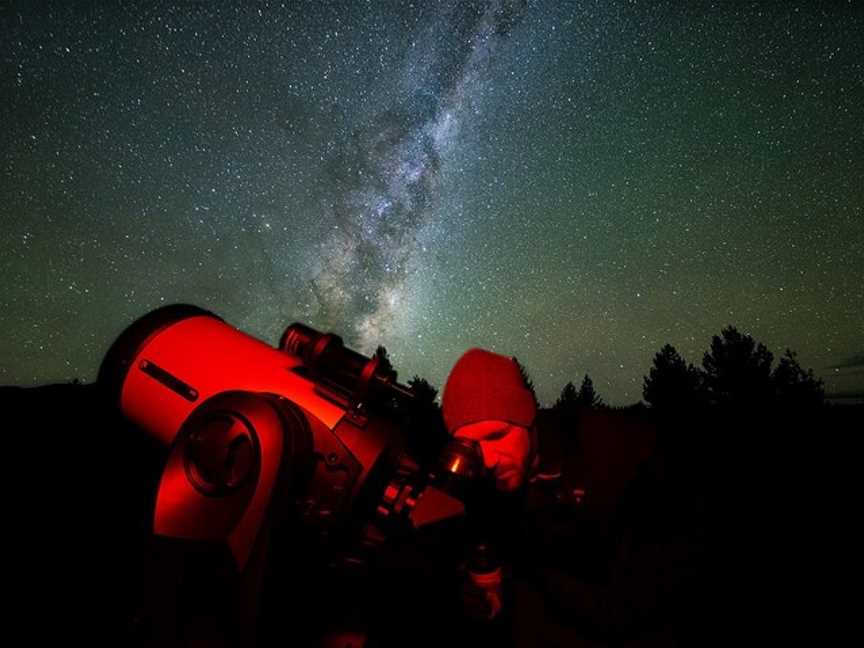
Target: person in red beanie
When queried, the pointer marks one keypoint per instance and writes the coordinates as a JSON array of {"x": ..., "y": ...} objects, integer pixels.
[{"x": 487, "y": 400}]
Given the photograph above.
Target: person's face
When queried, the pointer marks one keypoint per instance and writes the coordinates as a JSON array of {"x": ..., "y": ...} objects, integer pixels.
[{"x": 505, "y": 448}]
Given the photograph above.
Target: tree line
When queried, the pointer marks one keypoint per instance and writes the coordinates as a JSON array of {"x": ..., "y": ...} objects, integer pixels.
[{"x": 737, "y": 372}]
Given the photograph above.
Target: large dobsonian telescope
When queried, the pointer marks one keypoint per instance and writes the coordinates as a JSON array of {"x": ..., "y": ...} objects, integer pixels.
[{"x": 309, "y": 435}]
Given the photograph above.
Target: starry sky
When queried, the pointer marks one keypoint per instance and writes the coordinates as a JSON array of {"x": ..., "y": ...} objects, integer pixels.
[{"x": 574, "y": 183}]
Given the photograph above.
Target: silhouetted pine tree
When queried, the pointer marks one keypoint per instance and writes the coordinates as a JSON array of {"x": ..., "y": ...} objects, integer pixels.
[
  {"x": 738, "y": 371},
  {"x": 526, "y": 378},
  {"x": 424, "y": 393},
  {"x": 425, "y": 424},
  {"x": 795, "y": 388},
  {"x": 587, "y": 396},
  {"x": 568, "y": 401},
  {"x": 671, "y": 383}
]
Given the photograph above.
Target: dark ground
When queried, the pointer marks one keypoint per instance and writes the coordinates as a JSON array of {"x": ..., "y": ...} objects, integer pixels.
[{"x": 692, "y": 530}]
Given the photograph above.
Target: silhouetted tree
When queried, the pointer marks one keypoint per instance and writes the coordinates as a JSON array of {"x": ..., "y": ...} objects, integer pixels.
[
  {"x": 427, "y": 434},
  {"x": 795, "y": 388},
  {"x": 568, "y": 401},
  {"x": 424, "y": 393},
  {"x": 587, "y": 397},
  {"x": 738, "y": 370},
  {"x": 526, "y": 378},
  {"x": 671, "y": 383},
  {"x": 737, "y": 374}
]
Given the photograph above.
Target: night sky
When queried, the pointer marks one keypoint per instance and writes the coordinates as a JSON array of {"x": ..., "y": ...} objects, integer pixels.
[{"x": 573, "y": 183}]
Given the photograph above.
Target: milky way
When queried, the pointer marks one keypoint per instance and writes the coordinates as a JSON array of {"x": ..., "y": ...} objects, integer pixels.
[
  {"x": 384, "y": 177},
  {"x": 573, "y": 183}
]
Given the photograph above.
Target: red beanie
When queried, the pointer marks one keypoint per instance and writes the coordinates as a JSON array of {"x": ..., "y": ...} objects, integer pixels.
[{"x": 486, "y": 386}]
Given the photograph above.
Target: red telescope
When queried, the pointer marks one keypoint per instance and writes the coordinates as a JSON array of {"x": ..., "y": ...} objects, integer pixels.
[
  {"x": 297, "y": 445},
  {"x": 248, "y": 423}
]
